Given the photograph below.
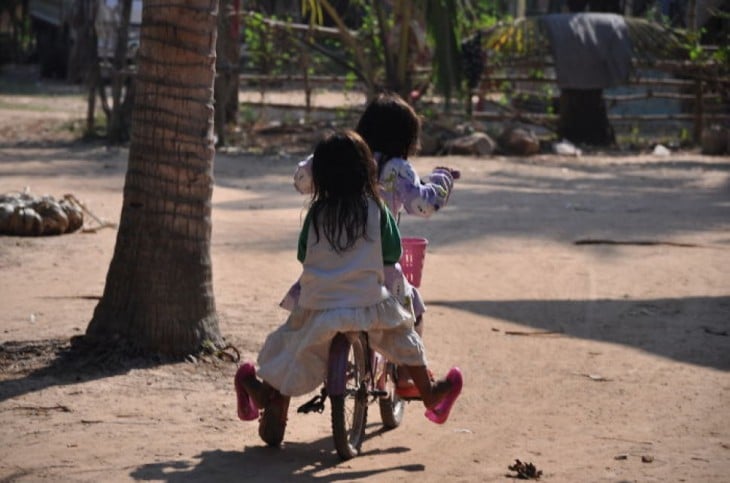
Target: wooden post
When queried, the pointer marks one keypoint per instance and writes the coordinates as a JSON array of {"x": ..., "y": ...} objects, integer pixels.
[
  {"x": 118, "y": 127},
  {"x": 521, "y": 8},
  {"x": 698, "y": 112},
  {"x": 692, "y": 16},
  {"x": 92, "y": 80},
  {"x": 305, "y": 68}
]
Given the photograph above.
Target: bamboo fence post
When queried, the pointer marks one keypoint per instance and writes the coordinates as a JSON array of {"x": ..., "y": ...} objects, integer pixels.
[
  {"x": 305, "y": 68},
  {"x": 698, "y": 111}
]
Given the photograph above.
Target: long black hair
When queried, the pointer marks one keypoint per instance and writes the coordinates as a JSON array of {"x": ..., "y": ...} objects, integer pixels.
[
  {"x": 344, "y": 178},
  {"x": 390, "y": 127}
]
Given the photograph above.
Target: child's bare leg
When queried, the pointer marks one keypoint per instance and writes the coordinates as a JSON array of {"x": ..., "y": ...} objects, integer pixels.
[
  {"x": 439, "y": 396},
  {"x": 259, "y": 391},
  {"x": 272, "y": 423},
  {"x": 403, "y": 375},
  {"x": 431, "y": 392}
]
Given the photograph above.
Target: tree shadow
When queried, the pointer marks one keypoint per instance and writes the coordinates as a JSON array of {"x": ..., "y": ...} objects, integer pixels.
[
  {"x": 692, "y": 330},
  {"x": 292, "y": 462},
  {"x": 78, "y": 159},
  {"x": 695, "y": 161},
  {"x": 61, "y": 362}
]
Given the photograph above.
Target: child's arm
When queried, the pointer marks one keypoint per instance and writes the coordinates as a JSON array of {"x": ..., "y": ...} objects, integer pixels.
[
  {"x": 303, "y": 176},
  {"x": 418, "y": 196}
]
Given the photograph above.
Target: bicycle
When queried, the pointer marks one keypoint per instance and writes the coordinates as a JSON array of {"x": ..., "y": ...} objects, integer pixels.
[{"x": 357, "y": 375}]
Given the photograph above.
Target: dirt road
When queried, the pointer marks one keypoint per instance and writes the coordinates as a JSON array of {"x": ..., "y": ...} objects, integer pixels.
[{"x": 587, "y": 301}]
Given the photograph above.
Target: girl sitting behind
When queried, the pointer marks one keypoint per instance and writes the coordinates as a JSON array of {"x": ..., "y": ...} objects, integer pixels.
[
  {"x": 347, "y": 238},
  {"x": 392, "y": 129}
]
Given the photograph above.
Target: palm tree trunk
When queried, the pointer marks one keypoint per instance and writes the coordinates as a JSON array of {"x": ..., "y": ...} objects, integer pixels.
[{"x": 158, "y": 292}]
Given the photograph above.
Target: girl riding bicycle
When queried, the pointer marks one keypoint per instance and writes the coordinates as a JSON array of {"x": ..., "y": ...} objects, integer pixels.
[
  {"x": 392, "y": 129},
  {"x": 348, "y": 237}
]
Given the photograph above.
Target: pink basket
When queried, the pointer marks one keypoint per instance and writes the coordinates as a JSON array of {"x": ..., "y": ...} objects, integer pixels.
[{"x": 411, "y": 261}]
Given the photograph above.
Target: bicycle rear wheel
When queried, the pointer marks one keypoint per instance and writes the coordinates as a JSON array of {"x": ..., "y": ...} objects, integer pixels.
[{"x": 349, "y": 410}]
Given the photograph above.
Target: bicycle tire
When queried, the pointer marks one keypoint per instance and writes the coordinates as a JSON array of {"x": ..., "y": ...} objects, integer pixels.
[
  {"x": 350, "y": 410},
  {"x": 392, "y": 407}
]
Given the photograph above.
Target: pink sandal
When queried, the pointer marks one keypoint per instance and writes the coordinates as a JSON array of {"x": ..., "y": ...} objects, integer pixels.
[
  {"x": 247, "y": 409},
  {"x": 440, "y": 412}
]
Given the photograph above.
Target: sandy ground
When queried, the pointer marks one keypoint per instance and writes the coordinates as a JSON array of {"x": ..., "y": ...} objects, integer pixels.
[{"x": 600, "y": 362}]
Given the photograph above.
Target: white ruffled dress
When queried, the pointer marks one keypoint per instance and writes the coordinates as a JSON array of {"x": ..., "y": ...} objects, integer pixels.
[{"x": 345, "y": 293}]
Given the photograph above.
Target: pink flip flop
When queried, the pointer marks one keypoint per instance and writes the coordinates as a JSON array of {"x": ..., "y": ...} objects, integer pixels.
[
  {"x": 440, "y": 412},
  {"x": 247, "y": 409}
]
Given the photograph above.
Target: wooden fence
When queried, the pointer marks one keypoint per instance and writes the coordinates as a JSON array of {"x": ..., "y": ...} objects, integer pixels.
[
  {"x": 511, "y": 94},
  {"x": 699, "y": 98}
]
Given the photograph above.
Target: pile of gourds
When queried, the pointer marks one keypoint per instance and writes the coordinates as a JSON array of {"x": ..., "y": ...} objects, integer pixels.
[{"x": 22, "y": 214}]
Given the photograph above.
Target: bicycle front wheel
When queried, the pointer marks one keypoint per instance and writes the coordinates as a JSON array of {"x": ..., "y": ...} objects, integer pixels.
[
  {"x": 392, "y": 407},
  {"x": 350, "y": 410}
]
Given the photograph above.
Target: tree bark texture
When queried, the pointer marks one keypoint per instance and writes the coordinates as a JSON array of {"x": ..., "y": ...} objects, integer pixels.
[{"x": 159, "y": 293}]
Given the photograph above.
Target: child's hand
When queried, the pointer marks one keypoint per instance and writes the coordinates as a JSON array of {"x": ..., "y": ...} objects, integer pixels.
[
  {"x": 303, "y": 177},
  {"x": 454, "y": 172}
]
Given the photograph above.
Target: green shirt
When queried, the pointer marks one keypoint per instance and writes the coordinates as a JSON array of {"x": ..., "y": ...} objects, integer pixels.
[{"x": 389, "y": 237}]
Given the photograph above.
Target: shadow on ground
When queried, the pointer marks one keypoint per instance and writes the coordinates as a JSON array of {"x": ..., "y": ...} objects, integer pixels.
[
  {"x": 60, "y": 362},
  {"x": 657, "y": 326},
  {"x": 292, "y": 462}
]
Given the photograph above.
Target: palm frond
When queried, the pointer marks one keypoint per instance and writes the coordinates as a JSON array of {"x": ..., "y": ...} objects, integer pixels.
[
  {"x": 521, "y": 39},
  {"x": 652, "y": 41},
  {"x": 313, "y": 10},
  {"x": 527, "y": 38}
]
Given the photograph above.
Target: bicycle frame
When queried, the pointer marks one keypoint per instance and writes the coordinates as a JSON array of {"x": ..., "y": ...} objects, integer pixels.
[
  {"x": 337, "y": 368},
  {"x": 356, "y": 375}
]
